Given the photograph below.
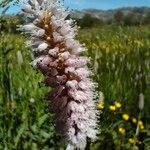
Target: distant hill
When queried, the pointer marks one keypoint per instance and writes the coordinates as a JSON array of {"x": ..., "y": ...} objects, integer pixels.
[{"x": 109, "y": 14}]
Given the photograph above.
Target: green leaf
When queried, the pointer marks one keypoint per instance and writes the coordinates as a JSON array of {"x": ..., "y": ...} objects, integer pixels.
[
  {"x": 42, "y": 119},
  {"x": 19, "y": 134},
  {"x": 45, "y": 134},
  {"x": 34, "y": 128},
  {"x": 34, "y": 146}
]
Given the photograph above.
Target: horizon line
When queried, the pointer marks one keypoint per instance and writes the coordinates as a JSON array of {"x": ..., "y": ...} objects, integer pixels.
[{"x": 90, "y": 8}]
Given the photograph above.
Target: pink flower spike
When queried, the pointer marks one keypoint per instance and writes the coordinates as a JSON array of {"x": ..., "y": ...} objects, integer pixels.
[{"x": 58, "y": 58}]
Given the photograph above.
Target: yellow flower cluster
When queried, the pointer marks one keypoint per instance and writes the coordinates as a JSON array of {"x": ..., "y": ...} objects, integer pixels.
[
  {"x": 140, "y": 124},
  {"x": 125, "y": 116},
  {"x": 114, "y": 107},
  {"x": 122, "y": 130}
]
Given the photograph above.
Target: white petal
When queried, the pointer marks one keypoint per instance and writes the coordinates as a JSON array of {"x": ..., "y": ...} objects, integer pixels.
[
  {"x": 40, "y": 32},
  {"x": 54, "y": 51},
  {"x": 70, "y": 147},
  {"x": 28, "y": 9},
  {"x": 42, "y": 46},
  {"x": 29, "y": 27},
  {"x": 65, "y": 55}
]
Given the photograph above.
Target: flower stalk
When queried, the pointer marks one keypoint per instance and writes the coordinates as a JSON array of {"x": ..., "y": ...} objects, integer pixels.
[{"x": 58, "y": 58}]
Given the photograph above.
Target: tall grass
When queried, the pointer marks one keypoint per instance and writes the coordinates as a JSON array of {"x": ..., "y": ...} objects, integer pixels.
[{"x": 121, "y": 62}]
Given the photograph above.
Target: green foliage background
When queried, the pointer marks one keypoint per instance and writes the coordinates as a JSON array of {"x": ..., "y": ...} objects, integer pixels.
[{"x": 120, "y": 58}]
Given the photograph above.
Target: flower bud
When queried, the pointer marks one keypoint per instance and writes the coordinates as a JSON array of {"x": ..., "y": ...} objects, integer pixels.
[{"x": 141, "y": 101}]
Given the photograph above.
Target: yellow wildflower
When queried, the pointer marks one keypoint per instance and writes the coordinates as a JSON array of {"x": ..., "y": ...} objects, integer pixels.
[
  {"x": 101, "y": 105},
  {"x": 112, "y": 107},
  {"x": 125, "y": 117},
  {"x": 131, "y": 140},
  {"x": 140, "y": 124},
  {"x": 142, "y": 127},
  {"x": 122, "y": 130},
  {"x": 134, "y": 120},
  {"x": 118, "y": 105}
]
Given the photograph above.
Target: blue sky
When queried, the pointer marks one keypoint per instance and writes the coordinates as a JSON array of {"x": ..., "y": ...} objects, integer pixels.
[
  {"x": 97, "y": 4},
  {"x": 105, "y": 4}
]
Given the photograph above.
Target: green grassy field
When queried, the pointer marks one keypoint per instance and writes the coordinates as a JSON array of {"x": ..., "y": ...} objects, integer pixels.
[{"x": 120, "y": 58}]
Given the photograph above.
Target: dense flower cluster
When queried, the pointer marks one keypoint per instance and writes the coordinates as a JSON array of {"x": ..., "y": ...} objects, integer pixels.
[{"x": 58, "y": 58}]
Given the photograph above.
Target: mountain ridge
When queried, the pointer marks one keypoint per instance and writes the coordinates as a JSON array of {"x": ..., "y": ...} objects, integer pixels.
[{"x": 109, "y": 14}]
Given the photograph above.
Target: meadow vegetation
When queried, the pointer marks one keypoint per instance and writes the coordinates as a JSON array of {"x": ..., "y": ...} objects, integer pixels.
[{"x": 120, "y": 58}]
